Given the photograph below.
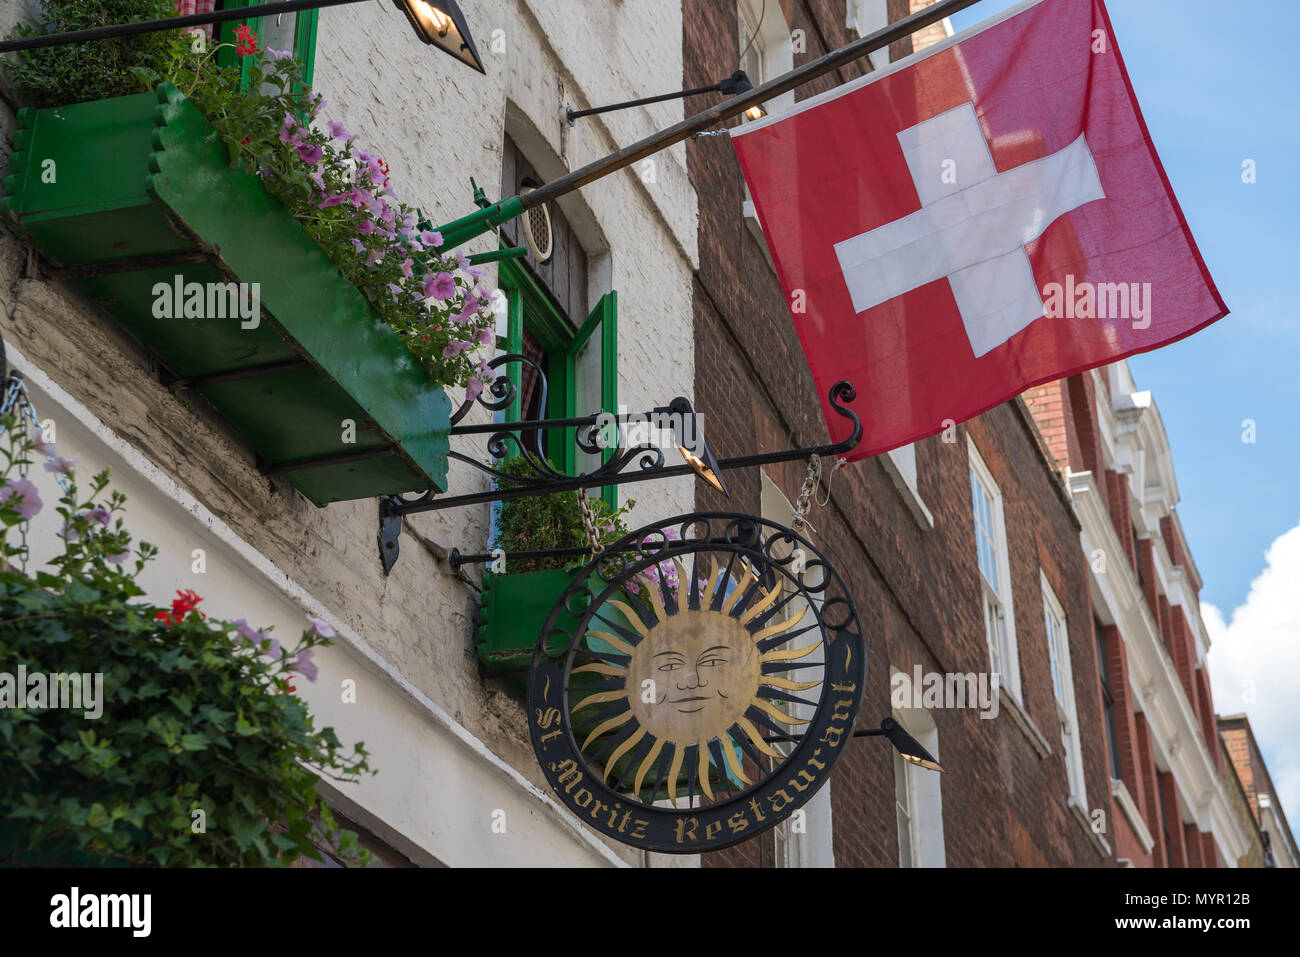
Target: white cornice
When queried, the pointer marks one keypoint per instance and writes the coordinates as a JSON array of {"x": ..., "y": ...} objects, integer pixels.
[
  {"x": 1157, "y": 690},
  {"x": 1119, "y": 791}
]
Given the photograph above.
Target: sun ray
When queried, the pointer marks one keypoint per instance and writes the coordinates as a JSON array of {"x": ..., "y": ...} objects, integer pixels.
[
  {"x": 621, "y": 750},
  {"x": 780, "y": 626},
  {"x": 601, "y": 669},
  {"x": 775, "y": 712},
  {"x": 632, "y": 617},
  {"x": 646, "y": 765},
  {"x": 788, "y": 654},
  {"x": 742, "y": 587},
  {"x": 704, "y": 770},
  {"x": 756, "y": 738},
  {"x": 604, "y": 726},
  {"x": 613, "y": 640},
  {"x": 753, "y": 611},
  {"x": 674, "y": 771},
  {"x": 656, "y": 599},
  {"x": 604, "y": 696},
  {"x": 706, "y": 597},
  {"x": 729, "y": 755},
  {"x": 786, "y": 683}
]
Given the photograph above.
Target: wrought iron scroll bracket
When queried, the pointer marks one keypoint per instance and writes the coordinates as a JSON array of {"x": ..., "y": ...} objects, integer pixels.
[{"x": 623, "y": 462}]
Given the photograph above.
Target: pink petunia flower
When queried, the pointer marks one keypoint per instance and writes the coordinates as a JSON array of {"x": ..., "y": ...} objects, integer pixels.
[
  {"x": 441, "y": 287},
  {"x": 310, "y": 153},
  {"x": 60, "y": 466},
  {"x": 304, "y": 665},
  {"x": 22, "y": 494},
  {"x": 319, "y": 627}
]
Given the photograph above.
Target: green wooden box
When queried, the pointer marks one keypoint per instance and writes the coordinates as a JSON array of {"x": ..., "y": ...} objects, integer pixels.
[{"x": 131, "y": 195}]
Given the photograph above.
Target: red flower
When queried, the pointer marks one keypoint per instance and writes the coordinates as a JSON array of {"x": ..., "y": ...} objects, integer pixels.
[
  {"x": 383, "y": 168},
  {"x": 184, "y": 603},
  {"x": 245, "y": 40}
]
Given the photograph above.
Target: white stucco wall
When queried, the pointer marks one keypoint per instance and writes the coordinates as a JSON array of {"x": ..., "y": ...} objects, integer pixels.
[{"x": 450, "y": 746}]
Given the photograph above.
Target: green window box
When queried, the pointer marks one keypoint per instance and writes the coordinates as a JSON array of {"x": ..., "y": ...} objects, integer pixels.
[{"x": 321, "y": 389}]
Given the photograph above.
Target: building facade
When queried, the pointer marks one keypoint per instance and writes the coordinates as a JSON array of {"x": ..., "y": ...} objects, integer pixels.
[
  {"x": 1266, "y": 818},
  {"x": 1028, "y": 600}
]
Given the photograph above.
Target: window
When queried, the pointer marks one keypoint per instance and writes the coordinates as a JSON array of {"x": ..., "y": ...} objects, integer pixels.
[
  {"x": 764, "y": 51},
  {"x": 284, "y": 31},
  {"x": 1107, "y": 698},
  {"x": 918, "y": 802},
  {"x": 804, "y": 839},
  {"x": 580, "y": 363},
  {"x": 866, "y": 17},
  {"x": 994, "y": 573},
  {"x": 903, "y": 812},
  {"x": 1058, "y": 650},
  {"x": 900, "y": 465}
]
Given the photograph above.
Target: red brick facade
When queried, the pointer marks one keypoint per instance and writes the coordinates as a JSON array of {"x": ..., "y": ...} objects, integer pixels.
[{"x": 917, "y": 589}]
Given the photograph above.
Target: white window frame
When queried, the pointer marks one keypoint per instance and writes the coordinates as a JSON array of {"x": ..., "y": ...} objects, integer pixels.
[
  {"x": 775, "y": 52},
  {"x": 1058, "y": 650},
  {"x": 900, "y": 466},
  {"x": 866, "y": 17},
  {"x": 996, "y": 595},
  {"x": 923, "y": 793},
  {"x": 813, "y": 845}
]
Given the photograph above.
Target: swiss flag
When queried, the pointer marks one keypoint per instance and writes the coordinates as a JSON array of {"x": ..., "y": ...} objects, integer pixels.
[{"x": 981, "y": 217}]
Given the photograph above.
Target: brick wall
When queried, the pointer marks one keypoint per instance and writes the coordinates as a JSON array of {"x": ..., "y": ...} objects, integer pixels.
[{"x": 917, "y": 591}]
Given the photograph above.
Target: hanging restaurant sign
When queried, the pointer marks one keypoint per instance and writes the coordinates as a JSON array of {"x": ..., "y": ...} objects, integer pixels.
[{"x": 708, "y": 684}]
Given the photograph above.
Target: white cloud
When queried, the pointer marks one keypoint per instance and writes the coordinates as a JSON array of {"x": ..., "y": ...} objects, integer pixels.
[{"x": 1254, "y": 665}]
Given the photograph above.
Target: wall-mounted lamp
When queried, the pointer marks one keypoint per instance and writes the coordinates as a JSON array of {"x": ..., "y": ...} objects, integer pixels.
[
  {"x": 908, "y": 748},
  {"x": 692, "y": 445},
  {"x": 733, "y": 85},
  {"x": 437, "y": 22},
  {"x": 441, "y": 24}
]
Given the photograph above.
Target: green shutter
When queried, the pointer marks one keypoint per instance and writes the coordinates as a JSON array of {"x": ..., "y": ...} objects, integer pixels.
[{"x": 304, "y": 40}]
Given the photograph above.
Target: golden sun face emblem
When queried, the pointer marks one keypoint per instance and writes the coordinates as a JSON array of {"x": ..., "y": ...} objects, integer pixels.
[{"x": 694, "y": 684}]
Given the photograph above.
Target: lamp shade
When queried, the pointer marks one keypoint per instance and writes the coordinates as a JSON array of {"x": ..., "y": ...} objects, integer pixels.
[
  {"x": 907, "y": 746},
  {"x": 691, "y": 443},
  {"x": 441, "y": 24}
]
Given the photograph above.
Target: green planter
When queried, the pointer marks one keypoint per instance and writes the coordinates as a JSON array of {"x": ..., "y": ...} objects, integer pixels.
[
  {"x": 515, "y": 609},
  {"x": 136, "y": 191}
]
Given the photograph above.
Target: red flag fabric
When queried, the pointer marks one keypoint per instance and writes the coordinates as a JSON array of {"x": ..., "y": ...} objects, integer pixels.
[{"x": 980, "y": 217}]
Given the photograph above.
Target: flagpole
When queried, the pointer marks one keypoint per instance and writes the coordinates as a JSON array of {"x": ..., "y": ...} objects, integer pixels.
[{"x": 738, "y": 104}]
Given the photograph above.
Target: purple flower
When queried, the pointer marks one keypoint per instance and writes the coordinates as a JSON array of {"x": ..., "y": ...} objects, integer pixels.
[
  {"x": 311, "y": 154},
  {"x": 60, "y": 466},
  {"x": 462, "y": 261},
  {"x": 473, "y": 389},
  {"x": 406, "y": 268},
  {"x": 39, "y": 444},
  {"x": 288, "y": 136},
  {"x": 486, "y": 335},
  {"x": 21, "y": 494},
  {"x": 338, "y": 131},
  {"x": 100, "y": 515},
  {"x": 278, "y": 54},
  {"x": 319, "y": 628},
  {"x": 335, "y": 200},
  {"x": 394, "y": 290},
  {"x": 318, "y": 178},
  {"x": 475, "y": 271},
  {"x": 304, "y": 665},
  {"x": 366, "y": 227},
  {"x": 455, "y": 348},
  {"x": 358, "y": 246},
  {"x": 262, "y": 642},
  {"x": 468, "y": 309},
  {"x": 119, "y": 558},
  {"x": 431, "y": 238},
  {"x": 441, "y": 287},
  {"x": 376, "y": 256}
]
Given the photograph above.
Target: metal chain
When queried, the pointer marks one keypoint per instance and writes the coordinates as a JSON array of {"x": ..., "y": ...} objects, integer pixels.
[
  {"x": 589, "y": 523},
  {"x": 799, "y": 521}
]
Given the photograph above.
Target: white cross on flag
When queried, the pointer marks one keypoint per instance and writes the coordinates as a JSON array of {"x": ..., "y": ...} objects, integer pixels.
[{"x": 973, "y": 220}]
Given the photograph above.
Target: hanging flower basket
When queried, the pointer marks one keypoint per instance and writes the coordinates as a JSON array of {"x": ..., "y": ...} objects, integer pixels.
[{"x": 136, "y": 200}]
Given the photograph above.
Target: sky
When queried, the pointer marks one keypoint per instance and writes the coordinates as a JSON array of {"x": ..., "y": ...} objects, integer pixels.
[{"x": 1216, "y": 85}]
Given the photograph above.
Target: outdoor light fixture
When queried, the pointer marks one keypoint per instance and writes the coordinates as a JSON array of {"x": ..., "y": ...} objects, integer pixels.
[
  {"x": 441, "y": 24},
  {"x": 690, "y": 442},
  {"x": 907, "y": 746},
  {"x": 733, "y": 85},
  {"x": 437, "y": 22}
]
